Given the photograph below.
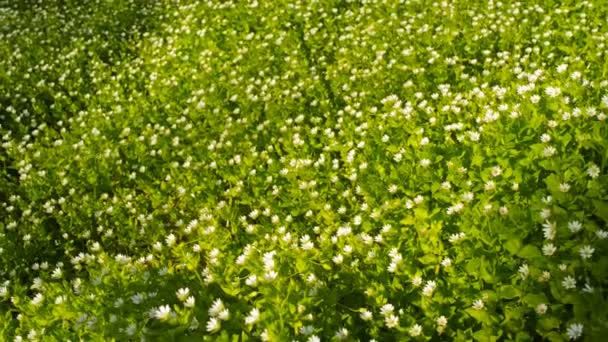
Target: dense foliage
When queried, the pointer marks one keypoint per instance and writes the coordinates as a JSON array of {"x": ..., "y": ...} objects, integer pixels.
[{"x": 389, "y": 170}]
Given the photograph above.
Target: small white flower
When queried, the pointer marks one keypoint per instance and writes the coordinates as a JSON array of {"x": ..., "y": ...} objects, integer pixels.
[
  {"x": 523, "y": 271},
  {"x": 189, "y": 303},
  {"x": 478, "y": 305},
  {"x": 541, "y": 309},
  {"x": 415, "y": 330},
  {"x": 162, "y": 313},
  {"x": 213, "y": 325},
  {"x": 429, "y": 288},
  {"x": 549, "y": 249},
  {"x": 253, "y": 317},
  {"x": 569, "y": 283},
  {"x": 586, "y": 251},
  {"x": 593, "y": 171},
  {"x": 342, "y": 334},
  {"x": 575, "y": 330},
  {"x": 183, "y": 293},
  {"x": 549, "y": 230},
  {"x": 545, "y": 138},
  {"x": 564, "y": 187},
  {"x": 391, "y": 321},
  {"x": 38, "y": 299},
  {"x": 216, "y": 307},
  {"x": 387, "y": 309},
  {"x": 575, "y": 226},
  {"x": 366, "y": 315}
]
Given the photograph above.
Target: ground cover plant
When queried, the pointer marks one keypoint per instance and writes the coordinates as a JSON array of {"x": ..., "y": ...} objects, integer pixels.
[{"x": 323, "y": 170}]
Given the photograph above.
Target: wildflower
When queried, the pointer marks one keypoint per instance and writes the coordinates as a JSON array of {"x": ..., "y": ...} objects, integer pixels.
[
  {"x": 549, "y": 230},
  {"x": 549, "y": 249},
  {"x": 38, "y": 299},
  {"x": 593, "y": 171},
  {"x": 182, "y": 294},
  {"x": 541, "y": 309},
  {"x": 213, "y": 325},
  {"x": 189, "y": 303},
  {"x": 216, "y": 307},
  {"x": 342, "y": 334},
  {"x": 162, "y": 313},
  {"x": 574, "y": 331},
  {"x": 569, "y": 283},
  {"x": 429, "y": 288},
  {"x": 478, "y": 305},
  {"x": 586, "y": 251},
  {"x": 366, "y": 315},
  {"x": 442, "y": 322},
  {"x": 523, "y": 271},
  {"x": 391, "y": 321},
  {"x": 253, "y": 317},
  {"x": 575, "y": 226},
  {"x": 415, "y": 330}
]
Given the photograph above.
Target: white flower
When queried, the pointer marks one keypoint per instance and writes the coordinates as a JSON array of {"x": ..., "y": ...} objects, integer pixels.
[
  {"x": 523, "y": 271},
  {"x": 417, "y": 281},
  {"x": 429, "y": 288},
  {"x": 182, "y": 293},
  {"x": 253, "y": 317},
  {"x": 162, "y": 313},
  {"x": 569, "y": 283},
  {"x": 564, "y": 187},
  {"x": 549, "y": 151},
  {"x": 387, "y": 309},
  {"x": 342, "y": 334},
  {"x": 575, "y": 330},
  {"x": 593, "y": 171},
  {"x": 552, "y": 91},
  {"x": 545, "y": 138},
  {"x": 478, "y": 305},
  {"x": 442, "y": 321},
  {"x": 216, "y": 307},
  {"x": 224, "y": 315},
  {"x": 213, "y": 325},
  {"x": 447, "y": 262},
  {"x": 270, "y": 276},
  {"x": 366, "y": 315},
  {"x": 415, "y": 330},
  {"x": 586, "y": 251},
  {"x": 549, "y": 249},
  {"x": 131, "y": 329},
  {"x": 541, "y": 309},
  {"x": 575, "y": 226},
  {"x": 391, "y": 321},
  {"x": 314, "y": 338},
  {"x": 549, "y": 230},
  {"x": 189, "y": 303},
  {"x": 425, "y": 162},
  {"x": 37, "y": 300}
]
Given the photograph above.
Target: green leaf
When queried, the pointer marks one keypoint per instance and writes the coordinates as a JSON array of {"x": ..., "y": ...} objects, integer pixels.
[
  {"x": 513, "y": 246},
  {"x": 548, "y": 323},
  {"x": 529, "y": 252},
  {"x": 601, "y": 209},
  {"x": 508, "y": 292},
  {"x": 533, "y": 299},
  {"x": 481, "y": 316}
]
